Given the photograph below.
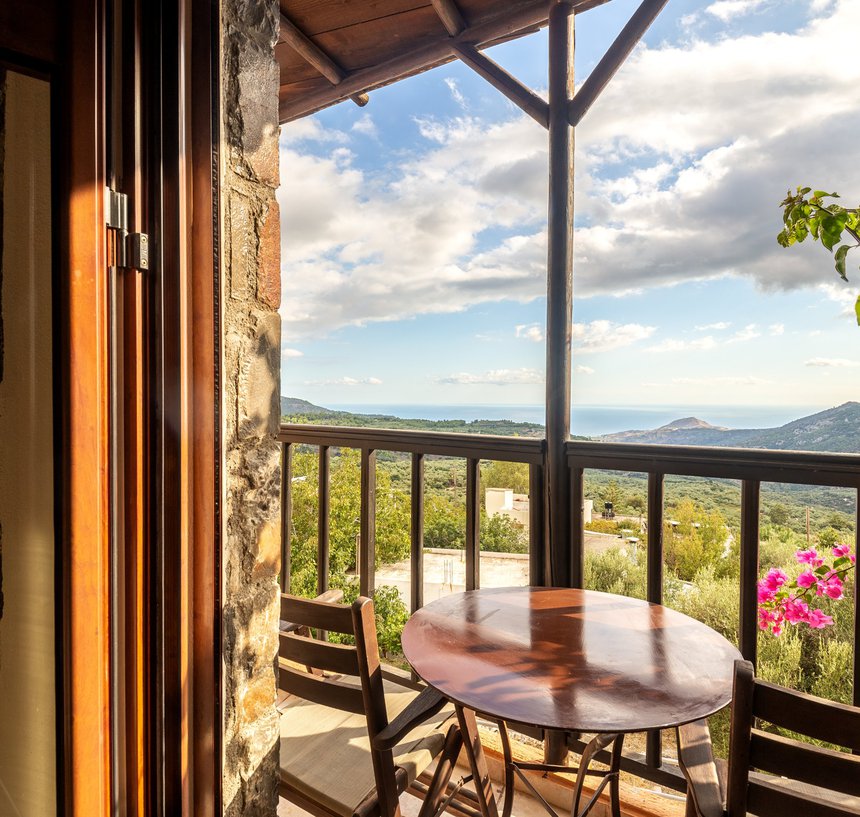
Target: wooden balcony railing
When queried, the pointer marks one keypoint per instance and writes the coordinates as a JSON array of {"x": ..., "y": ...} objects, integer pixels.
[{"x": 750, "y": 467}]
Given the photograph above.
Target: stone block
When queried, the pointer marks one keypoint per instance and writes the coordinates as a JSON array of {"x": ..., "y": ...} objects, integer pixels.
[
  {"x": 269, "y": 258},
  {"x": 259, "y": 380},
  {"x": 243, "y": 246}
]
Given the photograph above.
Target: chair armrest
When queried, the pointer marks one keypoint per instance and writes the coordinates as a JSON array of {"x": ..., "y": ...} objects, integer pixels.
[
  {"x": 426, "y": 704},
  {"x": 330, "y": 596},
  {"x": 705, "y": 784}
]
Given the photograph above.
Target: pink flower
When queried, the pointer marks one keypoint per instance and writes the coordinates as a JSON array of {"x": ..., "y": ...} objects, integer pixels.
[
  {"x": 843, "y": 550},
  {"x": 806, "y": 579},
  {"x": 796, "y": 611},
  {"x": 817, "y": 620},
  {"x": 832, "y": 585},
  {"x": 775, "y": 579},
  {"x": 809, "y": 557}
]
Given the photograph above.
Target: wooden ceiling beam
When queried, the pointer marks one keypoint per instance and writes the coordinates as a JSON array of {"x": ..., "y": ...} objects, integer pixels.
[
  {"x": 450, "y": 16},
  {"x": 294, "y": 37},
  {"x": 613, "y": 59},
  {"x": 500, "y": 79},
  {"x": 519, "y": 17}
]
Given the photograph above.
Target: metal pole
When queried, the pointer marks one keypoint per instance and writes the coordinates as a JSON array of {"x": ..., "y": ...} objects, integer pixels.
[{"x": 559, "y": 290}]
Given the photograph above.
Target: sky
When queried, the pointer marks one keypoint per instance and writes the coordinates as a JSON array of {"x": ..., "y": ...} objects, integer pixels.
[{"x": 413, "y": 230}]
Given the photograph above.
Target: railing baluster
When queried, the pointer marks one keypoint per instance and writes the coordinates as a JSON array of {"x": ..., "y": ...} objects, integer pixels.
[
  {"x": 748, "y": 636},
  {"x": 856, "y": 677},
  {"x": 286, "y": 513},
  {"x": 367, "y": 538},
  {"x": 654, "y": 590},
  {"x": 537, "y": 572},
  {"x": 324, "y": 523},
  {"x": 473, "y": 524},
  {"x": 577, "y": 530},
  {"x": 417, "y": 538}
]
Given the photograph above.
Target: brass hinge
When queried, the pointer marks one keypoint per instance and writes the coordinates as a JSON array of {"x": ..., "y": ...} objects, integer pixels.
[{"x": 132, "y": 249}]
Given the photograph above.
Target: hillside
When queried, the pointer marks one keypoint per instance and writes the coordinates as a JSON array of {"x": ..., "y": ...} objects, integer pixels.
[
  {"x": 836, "y": 429},
  {"x": 295, "y": 410}
]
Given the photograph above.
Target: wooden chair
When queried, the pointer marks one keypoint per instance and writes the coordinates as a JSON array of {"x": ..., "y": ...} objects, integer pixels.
[
  {"x": 768, "y": 774},
  {"x": 340, "y": 754}
]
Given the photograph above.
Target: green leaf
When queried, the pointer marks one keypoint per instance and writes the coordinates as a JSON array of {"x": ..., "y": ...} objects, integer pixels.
[
  {"x": 819, "y": 194},
  {"x": 803, "y": 190},
  {"x": 857, "y": 310},
  {"x": 800, "y": 231},
  {"x": 821, "y": 570},
  {"x": 829, "y": 239},
  {"x": 842, "y": 560},
  {"x": 840, "y": 261}
]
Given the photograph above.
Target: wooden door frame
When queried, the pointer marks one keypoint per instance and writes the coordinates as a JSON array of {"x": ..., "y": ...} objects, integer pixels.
[{"x": 66, "y": 42}]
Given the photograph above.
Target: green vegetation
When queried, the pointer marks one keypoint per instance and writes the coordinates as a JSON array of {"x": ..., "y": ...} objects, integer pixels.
[
  {"x": 827, "y": 223},
  {"x": 701, "y": 559}
]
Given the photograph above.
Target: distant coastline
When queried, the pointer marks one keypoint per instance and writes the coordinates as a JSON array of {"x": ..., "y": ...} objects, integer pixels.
[{"x": 593, "y": 421}]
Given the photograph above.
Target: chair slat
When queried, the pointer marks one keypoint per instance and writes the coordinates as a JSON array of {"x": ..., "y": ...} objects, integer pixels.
[
  {"x": 804, "y": 762},
  {"x": 808, "y": 715},
  {"x": 317, "y": 614},
  {"x": 319, "y": 654},
  {"x": 325, "y": 691},
  {"x": 765, "y": 799}
]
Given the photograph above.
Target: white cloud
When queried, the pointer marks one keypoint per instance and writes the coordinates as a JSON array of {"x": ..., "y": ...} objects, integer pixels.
[
  {"x": 676, "y": 345},
  {"x": 530, "y": 331},
  {"x": 456, "y": 93},
  {"x": 603, "y": 335},
  {"x": 346, "y": 381},
  {"x": 717, "y": 327},
  {"x": 729, "y": 9},
  {"x": 679, "y": 188},
  {"x": 749, "y": 332},
  {"x": 365, "y": 125},
  {"x": 287, "y": 353},
  {"x": 583, "y": 370},
  {"x": 776, "y": 329},
  {"x": 832, "y": 362},
  {"x": 495, "y": 377}
]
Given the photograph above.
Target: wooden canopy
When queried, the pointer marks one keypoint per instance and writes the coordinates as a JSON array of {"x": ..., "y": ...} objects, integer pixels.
[{"x": 331, "y": 50}]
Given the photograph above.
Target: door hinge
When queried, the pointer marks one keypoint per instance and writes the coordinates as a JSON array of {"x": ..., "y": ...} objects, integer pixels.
[{"x": 132, "y": 249}]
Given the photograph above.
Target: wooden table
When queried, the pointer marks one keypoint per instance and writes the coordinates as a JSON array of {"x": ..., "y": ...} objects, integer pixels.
[{"x": 567, "y": 660}]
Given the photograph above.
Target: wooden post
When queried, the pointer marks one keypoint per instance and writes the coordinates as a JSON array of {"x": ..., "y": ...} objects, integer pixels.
[{"x": 559, "y": 290}]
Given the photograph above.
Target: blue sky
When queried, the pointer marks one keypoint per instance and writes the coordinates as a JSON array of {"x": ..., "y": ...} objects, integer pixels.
[{"x": 413, "y": 243}]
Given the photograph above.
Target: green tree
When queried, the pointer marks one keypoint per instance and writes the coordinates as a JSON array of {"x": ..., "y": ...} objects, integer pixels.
[
  {"x": 500, "y": 474},
  {"x": 698, "y": 540},
  {"x": 827, "y": 223},
  {"x": 500, "y": 534},
  {"x": 778, "y": 513},
  {"x": 444, "y": 522}
]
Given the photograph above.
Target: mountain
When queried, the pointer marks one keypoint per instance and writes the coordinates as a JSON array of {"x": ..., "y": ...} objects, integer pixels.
[
  {"x": 836, "y": 429},
  {"x": 295, "y": 405}
]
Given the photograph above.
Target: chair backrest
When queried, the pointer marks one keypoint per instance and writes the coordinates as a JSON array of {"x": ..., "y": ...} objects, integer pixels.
[
  {"x": 797, "y": 764},
  {"x": 326, "y": 664}
]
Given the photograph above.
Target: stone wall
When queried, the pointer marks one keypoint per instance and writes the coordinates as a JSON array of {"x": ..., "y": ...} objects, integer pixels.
[{"x": 250, "y": 402}]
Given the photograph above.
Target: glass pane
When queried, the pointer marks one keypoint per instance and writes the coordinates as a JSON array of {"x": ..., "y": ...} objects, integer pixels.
[{"x": 27, "y": 592}]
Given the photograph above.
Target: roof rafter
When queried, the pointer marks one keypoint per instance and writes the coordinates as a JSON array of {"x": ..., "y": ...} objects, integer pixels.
[
  {"x": 450, "y": 16},
  {"x": 500, "y": 79},
  {"x": 518, "y": 17},
  {"x": 293, "y": 36},
  {"x": 613, "y": 59}
]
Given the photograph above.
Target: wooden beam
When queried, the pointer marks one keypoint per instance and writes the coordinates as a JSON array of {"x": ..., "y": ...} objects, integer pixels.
[
  {"x": 450, "y": 16},
  {"x": 294, "y": 37},
  {"x": 559, "y": 294},
  {"x": 614, "y": 58},
  {"x": 500, "y": 79},
  {"x": 519, "y": 17}
]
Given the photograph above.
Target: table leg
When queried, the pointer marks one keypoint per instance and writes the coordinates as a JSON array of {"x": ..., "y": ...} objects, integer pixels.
[
  {"x": 615, "y": 776},
  {"x": 477, "y": 762},
  {"x": 596, "y": 744}
]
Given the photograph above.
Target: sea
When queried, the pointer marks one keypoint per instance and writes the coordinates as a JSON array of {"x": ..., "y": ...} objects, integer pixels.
[{"x": 591, "y": 421}]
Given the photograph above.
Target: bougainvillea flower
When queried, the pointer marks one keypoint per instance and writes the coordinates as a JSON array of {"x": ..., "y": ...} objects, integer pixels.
[
  {"x": 775, "y": 579},
  {"x": 806, "y": 579},
  {"x": 817, "y": 620},
  {"x": 843, "y": 550},
  {"x": 796, "y": 611},
  {"x": 809, "y": 557}
]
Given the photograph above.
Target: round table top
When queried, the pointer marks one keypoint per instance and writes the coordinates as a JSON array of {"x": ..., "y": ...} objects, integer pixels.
[{"x": 574, "y": 660}]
